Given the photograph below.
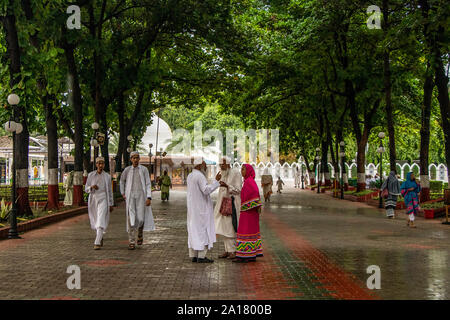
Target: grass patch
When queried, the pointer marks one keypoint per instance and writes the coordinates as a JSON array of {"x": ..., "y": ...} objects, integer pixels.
[
  {"x": 434, "y": 205},
  {"x": 358, "y": 194}
]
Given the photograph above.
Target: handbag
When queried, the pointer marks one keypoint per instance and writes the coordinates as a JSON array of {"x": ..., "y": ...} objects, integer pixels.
[
  {"x": 226, "y": 207},
  {"x": 385, "y": 193}
]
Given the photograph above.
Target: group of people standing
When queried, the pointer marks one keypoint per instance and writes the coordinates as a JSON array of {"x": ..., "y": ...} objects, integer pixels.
[
  {"x": 409, "y": 189},
  {"x": 235, "y": 216}
]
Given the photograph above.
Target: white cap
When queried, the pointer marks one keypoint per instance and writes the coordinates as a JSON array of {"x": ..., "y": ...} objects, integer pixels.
[
  {"x": 134, "y": 153},
  {"x": 198, "y": 160},
  {"x": 226, "y": 158},
  {"x": 99, "y": 159}
]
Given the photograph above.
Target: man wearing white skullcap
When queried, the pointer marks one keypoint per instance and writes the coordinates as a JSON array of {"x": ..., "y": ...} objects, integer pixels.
[
  {"x": 200, "y": 212},
  {"x": 100, "y": 202},
  {"x": 136, "y": 189}
]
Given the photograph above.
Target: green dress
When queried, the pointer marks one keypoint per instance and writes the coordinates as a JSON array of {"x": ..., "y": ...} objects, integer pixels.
[{"x": 165, "y": 185}]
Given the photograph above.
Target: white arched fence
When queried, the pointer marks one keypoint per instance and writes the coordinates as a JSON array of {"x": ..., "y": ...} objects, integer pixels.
[{"x": 287, "y": 171}]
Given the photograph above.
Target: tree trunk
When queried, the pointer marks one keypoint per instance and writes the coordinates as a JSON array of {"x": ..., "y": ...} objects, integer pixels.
[
  {"x": 77, "y": 106},
  {"x": 388, "y": 91},
  {"x": 22, "y": 139},
  {"x": 441, "y": 81},
  {"x": 425, "y": 136},
  {"x": 121, "y": 118},
  {"x": 52, "y": 154},
  {"x": 310, "y": 172},
  {"x": 325, "y": 171}
]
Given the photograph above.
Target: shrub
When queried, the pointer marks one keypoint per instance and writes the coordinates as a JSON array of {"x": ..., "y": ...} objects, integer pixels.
[
  {"x": 435, "y": 186},
  {"x": 352, "y": 182}
]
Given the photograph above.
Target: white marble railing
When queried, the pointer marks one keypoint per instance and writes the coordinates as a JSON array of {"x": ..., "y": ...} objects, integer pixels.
[{"x": 287, "y": 171}]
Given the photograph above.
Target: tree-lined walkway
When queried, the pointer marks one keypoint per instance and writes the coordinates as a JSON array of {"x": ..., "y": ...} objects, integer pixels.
[{"x": 315, "y": 247}]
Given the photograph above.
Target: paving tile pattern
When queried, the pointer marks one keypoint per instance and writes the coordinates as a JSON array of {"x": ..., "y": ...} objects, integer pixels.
[{"x": 315, "y": 247}]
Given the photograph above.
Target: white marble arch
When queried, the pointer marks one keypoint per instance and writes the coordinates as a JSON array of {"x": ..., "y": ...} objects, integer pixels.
[
  {"x": 405, "y": 169},
  {"x": 276, "y": 172},
  {"x": 442, "y": 173},
  {"x": 415, "y": 165},
  {"x": 286, "y": 173},
  {"x": 260, "y": 170},
  {"x": 269, "y": 167},
  {"x": 350, "y": 168},
  {"x": 433, "y": 167}
]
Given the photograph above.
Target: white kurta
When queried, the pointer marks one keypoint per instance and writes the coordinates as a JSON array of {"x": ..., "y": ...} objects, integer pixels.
[
  {"x": 126, "y": 181},
  {"x": 224, "y": 224},
  {"x": 99, "y": 200},
  {"x": 200, "y": 211}
]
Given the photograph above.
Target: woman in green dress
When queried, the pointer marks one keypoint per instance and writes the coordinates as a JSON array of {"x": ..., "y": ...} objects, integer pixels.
[{"x": 165, "y": 184}]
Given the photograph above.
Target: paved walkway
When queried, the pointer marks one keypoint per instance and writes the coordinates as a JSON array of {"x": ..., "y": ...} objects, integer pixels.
[{"x": 315, "y": 247}]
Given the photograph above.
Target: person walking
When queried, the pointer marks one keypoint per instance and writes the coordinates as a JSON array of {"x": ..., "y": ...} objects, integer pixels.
[
  {"x": 280, "y": 184},
  {"x": 393, "y": 191},
  {"x": 136, "y": 189},
  {"x": 166, "y": 185},
  {"x": 410, "y": 190},
  {"x": 266, "y": 183},
  {"x": 100, "y": 202}
]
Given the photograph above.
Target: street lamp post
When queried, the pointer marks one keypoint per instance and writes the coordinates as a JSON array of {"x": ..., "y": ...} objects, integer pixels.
[
  {"x": 302, "y": 177},
  {"x": 318, "y": 169},
  {"x": 129, "y": 138},
  {"x": 13, "y": 127},
  {"x": 342, "y": 155},
  {"x": 150, "y": 158},
  {"x": 381, "y": 150},
  {"x": 94, "y": 142},
  {"x": 161, "y": 155}
]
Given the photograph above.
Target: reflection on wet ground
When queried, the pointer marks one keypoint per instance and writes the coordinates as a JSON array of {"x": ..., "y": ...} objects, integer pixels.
[{"x": 414, "y": 263}]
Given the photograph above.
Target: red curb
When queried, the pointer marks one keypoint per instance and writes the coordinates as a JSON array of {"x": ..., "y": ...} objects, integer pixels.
[{"x": 332, "y": 277}]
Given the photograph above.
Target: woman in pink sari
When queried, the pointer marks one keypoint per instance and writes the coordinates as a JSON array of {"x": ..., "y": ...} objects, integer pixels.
[{"x": 248, "y": 242}]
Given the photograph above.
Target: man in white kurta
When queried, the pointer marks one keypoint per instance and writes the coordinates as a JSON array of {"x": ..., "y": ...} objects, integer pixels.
[
  {"x": 297, "y": 178},
  {"x": 100, "y": 202},
  {"x": 200, "y": 213},
  {"x": 136, "y": 189},
  {"x": 232, "y": 179}
]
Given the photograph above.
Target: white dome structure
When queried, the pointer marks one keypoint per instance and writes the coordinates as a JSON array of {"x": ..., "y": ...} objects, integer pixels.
[{"x": 164, "y": 136}]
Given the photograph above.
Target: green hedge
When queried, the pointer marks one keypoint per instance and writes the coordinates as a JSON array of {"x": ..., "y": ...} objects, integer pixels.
[
  {"x": 352, "y": 182},
  {"x": 436, "y": 186}
]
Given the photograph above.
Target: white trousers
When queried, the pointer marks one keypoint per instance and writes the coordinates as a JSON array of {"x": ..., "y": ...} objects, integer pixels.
[
  {"x": 98, "y": 239},
  {"x": 201, "y": 254},
  {"x": 390, "y": 212},
  {"x": 230, "y": 244},
  {"x": 136, "y": 209}
]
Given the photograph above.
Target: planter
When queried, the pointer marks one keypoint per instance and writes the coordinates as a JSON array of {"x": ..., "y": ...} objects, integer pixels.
[
  {"x": 41, "y": 221},
  {"x": 433, "y": 213}
]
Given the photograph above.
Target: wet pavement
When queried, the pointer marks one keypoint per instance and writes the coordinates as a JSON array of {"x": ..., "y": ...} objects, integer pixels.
[{"x": 315, "y": 247}]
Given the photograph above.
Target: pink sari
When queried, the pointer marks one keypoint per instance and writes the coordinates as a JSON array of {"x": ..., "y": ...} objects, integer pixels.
[{"x": 248, "y": 242}]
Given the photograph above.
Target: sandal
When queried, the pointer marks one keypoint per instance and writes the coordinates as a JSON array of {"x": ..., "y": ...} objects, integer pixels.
[
  {"x": 96, "y": 247},
  {"x": 131, "y": 246},
  {"x": 231, "y": 256},
  {"x": 224, "y": 255}
]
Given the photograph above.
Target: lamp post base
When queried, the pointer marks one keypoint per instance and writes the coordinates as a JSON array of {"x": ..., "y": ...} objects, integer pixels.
[{"x": 13, "y": 235}]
